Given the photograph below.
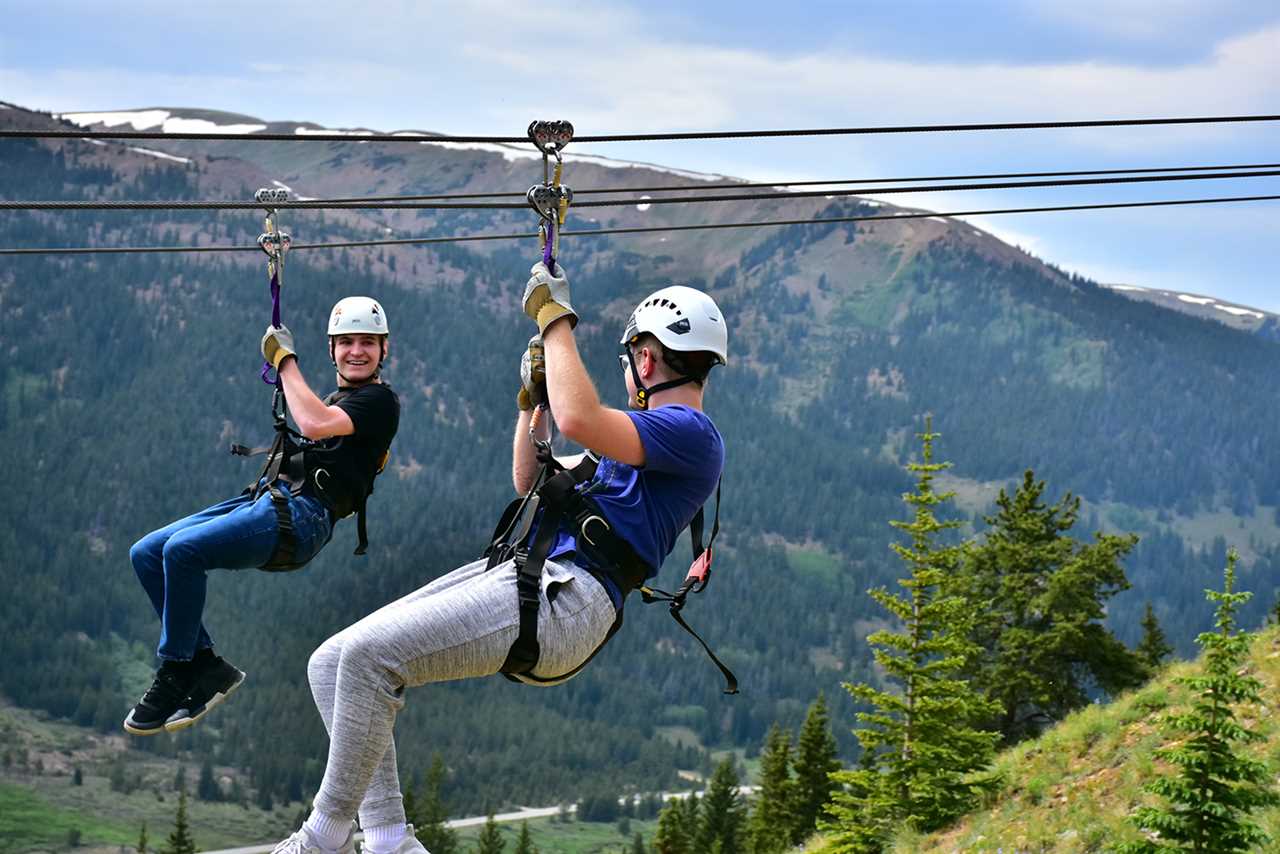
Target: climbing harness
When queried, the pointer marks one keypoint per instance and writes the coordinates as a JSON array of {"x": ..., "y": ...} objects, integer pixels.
[
  {"x": 286, "y": 458},
  {"x": 563, "y": 498},
  {"x": 550, "y": 199}
]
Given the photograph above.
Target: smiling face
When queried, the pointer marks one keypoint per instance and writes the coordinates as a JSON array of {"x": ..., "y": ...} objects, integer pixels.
[{"x": 357, "y": 356}]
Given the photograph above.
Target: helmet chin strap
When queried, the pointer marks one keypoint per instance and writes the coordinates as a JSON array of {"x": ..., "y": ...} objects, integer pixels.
[
  {"x": 643, "y": 392},
  {"x": 377, "y": 369}
]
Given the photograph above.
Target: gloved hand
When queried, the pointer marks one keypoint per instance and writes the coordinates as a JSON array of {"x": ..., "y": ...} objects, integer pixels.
[
  {"x": 546, "y": 298},
  {"x": 533, "y": 375},
  {"x": 277, "y": 345}
]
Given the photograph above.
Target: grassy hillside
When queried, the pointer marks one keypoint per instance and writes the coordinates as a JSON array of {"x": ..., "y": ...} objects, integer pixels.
[{"x": 1070, "y": 790}]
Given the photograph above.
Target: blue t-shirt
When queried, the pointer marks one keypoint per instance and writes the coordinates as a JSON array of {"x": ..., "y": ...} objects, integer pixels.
[{"x": 649, "y": 506}]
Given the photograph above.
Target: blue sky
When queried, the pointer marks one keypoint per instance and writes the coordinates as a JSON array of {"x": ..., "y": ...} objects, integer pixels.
[{"x": 489, "y": 67}]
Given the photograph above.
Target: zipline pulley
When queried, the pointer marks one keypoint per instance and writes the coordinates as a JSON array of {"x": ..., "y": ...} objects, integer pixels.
[{"x": 550, "y": 199}]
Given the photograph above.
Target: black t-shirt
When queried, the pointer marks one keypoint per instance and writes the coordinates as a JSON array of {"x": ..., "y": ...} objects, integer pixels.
[{"x": 341, "y": 469}]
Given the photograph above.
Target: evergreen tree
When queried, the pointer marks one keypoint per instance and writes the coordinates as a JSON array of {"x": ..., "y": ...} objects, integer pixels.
[
  {"x": 207, "y": 788},
  {"x": 773, "y": 813},
  {"x": 672, "y": 836},
  {"x": 1040, "y": 598},
  {"x": 1154, "y": 648},
  {"x": 524, "y": 845},
  {"x": 142, "y": 840},
  {"x": 923, "y": 755},
  {"x": 1217, "y": 788},
  {"x": 722, "y": 813},
  {"x": 77, "y": 778},
  {"x": 637, "y": 844},
  {"x": 490, "y": 839},
  {"x": 816, "y": 759},
  {"x": 180, "y": 841},
  {"x": 430, "y": 814}
]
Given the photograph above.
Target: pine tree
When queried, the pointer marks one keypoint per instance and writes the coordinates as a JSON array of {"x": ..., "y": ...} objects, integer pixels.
[
  {"x": 637, "y": 844},
  {"x": 722, "y": 813},
  {"x": 490, "y": 839},
  {"x": 816, "y": 759},
  {"x": 1040, "y": 597},
  {"x": 1154, "y": 647},
  {"x": 77, "y": 778},
  {"x": 180, "y": 841},
  {"x": 1217, "y": 788},
  {"x": 773, "y": 813},
  {"x": 430, "y": 814},
  {"x": 142, "y": 840},
  {"x": 923, "y": 757},
  {"x": 672, "y": 837},
  {"x": 524, "y": 845},
  {"x": 207, "y": 788}
]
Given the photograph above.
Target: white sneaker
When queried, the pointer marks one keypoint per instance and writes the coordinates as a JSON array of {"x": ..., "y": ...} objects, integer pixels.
[
  {"x": 408, "y": 845},
  {"x": 301, "y": 842}
]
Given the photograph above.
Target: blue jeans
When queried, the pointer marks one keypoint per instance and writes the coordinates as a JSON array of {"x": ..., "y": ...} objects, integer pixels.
[{"x": 239, "y": 533}]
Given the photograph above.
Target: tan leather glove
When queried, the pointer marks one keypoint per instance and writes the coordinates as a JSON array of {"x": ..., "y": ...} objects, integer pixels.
[
  {"x": 546, "y": 297},
  {"x": 533, "y": 376},
  {"x": 277, "y": 345}
]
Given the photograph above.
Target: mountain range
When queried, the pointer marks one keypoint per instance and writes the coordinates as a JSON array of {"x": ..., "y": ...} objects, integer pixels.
[{"x": 127, "y": 375}]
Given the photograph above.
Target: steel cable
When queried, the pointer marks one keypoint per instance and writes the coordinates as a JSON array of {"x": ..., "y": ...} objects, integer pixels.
[
  {"x": 639, "y": 200},
  {"x": 418, "y": 136},
  {"x": 413, "y": 241}
]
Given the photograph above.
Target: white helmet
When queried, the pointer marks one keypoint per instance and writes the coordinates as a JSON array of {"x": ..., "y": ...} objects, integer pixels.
[
  {"x": 358, "y": 315},
  {"x": 683, "y": 319}
]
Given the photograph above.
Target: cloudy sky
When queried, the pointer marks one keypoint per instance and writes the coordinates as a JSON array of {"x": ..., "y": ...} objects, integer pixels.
[{"x": 488, "y": 67}]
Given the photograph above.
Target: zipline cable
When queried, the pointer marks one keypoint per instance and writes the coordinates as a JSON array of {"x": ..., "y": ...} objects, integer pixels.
[
  {"x": 666, "y": 200},
  {"x": 416, "y": 241},
  {"x": 741, "y": 185},
  {"x": 420, "y": 137}
]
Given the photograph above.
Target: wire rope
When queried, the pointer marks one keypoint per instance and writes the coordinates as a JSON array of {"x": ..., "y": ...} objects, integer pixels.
[
  {"x": 413, "y": 241},
  {"x": 669, "y": 200},
  {"x": 419, "y": 136}
]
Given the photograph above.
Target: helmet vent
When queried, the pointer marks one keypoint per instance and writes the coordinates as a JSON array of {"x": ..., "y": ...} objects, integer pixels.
[{"x": 680, "y": 327}]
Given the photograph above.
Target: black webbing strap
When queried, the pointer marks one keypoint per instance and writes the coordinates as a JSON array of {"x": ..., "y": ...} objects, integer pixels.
[
  {"x": 525, "y": 651},
  {"x": 284, "y": 556},
  {"x": 282, "y": 559},
  {"x": 651, "y": 594},
  {"x": 695, "y": 582},
  {"x": 362, "y": 532}
]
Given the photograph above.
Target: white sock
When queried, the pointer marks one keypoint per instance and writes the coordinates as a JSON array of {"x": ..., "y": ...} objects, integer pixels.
[
  {"x": 327, "y": 831},
  {"x": 385, "y": 837}
]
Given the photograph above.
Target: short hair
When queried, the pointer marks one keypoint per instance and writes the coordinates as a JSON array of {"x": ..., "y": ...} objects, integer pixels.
[{"x": 695, "y": 364}]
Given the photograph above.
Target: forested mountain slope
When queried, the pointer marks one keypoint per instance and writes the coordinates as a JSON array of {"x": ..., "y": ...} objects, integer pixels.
[{"x": 125, "y": 377}]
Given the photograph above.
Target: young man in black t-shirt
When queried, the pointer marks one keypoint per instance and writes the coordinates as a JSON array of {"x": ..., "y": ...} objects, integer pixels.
[{"x": 278, "y": 525}]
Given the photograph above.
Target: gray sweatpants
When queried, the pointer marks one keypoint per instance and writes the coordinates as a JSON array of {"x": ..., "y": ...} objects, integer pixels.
[{"x": 459, "y": 626}]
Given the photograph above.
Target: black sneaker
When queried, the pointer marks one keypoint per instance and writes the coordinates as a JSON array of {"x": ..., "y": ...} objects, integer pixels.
[
  {"x": 212, "y": 681},
  {"x": 163, "y": 698}
]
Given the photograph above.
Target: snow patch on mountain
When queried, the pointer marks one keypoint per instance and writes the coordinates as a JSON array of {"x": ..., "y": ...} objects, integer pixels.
[
  {"x": 163, "y": 120},
  {"x": 1238, "y": 311}
]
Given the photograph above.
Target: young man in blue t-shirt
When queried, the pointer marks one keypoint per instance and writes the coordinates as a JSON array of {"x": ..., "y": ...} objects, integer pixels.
[{"x": 655, "y": 468}]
